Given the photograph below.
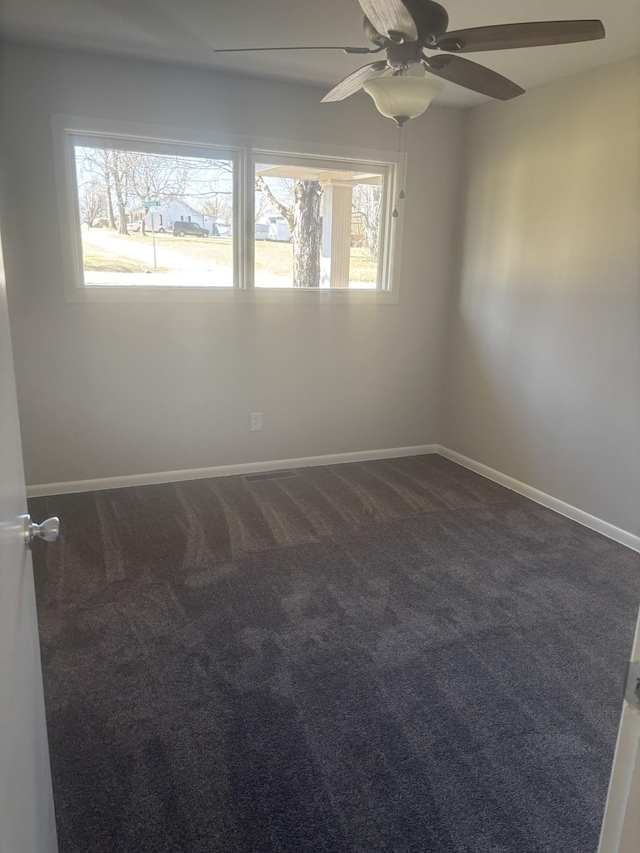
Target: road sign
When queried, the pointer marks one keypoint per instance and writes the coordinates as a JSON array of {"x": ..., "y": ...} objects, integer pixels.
[{"x": 153, "y": 203}]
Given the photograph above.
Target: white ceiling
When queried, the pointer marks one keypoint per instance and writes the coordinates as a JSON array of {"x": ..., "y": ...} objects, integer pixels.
[{"x": 188, "y": 31}]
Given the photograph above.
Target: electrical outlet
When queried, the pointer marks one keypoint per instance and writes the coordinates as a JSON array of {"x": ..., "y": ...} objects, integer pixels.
[{"x": 256, "y": 421}]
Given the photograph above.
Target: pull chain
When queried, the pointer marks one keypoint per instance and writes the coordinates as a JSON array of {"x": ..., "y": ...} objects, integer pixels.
[{"x": 402, "y": 158}]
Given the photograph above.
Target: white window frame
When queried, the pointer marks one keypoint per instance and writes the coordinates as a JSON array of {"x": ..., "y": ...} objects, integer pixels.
[
  {"x": 387, "y": 170},
  {"x": 245, "y": 151}
]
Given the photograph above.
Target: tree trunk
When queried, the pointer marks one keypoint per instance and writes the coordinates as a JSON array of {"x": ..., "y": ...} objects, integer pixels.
[
  {"x": 307, "y": 234},
  {"x": 119, "y": 189},
  {"x": 122, "y": 216},
  {"x": 107, "y": 186},
  {"x": 122, "y": 209}
]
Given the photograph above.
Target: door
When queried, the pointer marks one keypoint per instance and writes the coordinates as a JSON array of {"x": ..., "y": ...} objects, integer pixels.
[
  {"x": 621, "y": 827},
  {"x": 26, "y": 800}
]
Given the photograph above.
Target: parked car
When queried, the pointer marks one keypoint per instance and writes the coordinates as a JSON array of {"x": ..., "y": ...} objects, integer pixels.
[
  {"x": 262, "y": 231},
  {"x": 136, "y": 228},
  {"x": 189, "y": 229}
]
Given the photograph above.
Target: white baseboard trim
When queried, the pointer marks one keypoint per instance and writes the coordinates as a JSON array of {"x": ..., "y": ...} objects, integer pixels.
[
  {"x": 624, "y": 537},
  {"x": 74, "y": 486}
]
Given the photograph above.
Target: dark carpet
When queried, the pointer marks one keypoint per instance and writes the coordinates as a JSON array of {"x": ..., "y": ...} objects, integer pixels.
[{"x": 387, "y": 656}]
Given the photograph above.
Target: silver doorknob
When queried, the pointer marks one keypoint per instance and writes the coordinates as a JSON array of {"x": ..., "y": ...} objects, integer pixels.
[{"x": 49, "y": 530}]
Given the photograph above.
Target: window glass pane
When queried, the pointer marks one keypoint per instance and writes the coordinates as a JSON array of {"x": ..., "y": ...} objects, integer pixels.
[
  {"x": 154, "y": 219},
  {"x": 317, "y": 227}
]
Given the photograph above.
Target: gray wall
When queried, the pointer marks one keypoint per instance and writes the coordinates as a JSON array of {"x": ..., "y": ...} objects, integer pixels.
[
  {"x": 113, "y": 389},
  {"x": 532, "y": 255},
  {"x": 543, "y": 374}
]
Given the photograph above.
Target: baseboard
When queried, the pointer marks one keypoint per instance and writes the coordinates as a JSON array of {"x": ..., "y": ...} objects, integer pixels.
[
  {"x": 624, "y": 537},
  {"x": 222, "y": 471}
]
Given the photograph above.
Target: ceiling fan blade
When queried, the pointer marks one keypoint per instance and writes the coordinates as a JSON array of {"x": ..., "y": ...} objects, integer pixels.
[
  {"x": 351, "y": 84},
  {"x": 508, "y": 36},
  {"x": 391, "y": 18},
  {"x": 345, "y": 49},
  {"x": 455, "y": 69}
]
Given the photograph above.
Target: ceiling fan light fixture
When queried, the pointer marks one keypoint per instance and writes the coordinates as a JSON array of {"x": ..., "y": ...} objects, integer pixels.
[{"x": 402, "y": 98}]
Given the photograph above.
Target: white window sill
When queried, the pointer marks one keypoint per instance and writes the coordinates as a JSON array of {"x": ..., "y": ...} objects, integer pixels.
[{"x": 257, "y": 296}]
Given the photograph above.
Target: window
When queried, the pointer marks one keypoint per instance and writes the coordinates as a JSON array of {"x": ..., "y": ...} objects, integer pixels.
[
  {"x": 146, "y": 217},
  {"x": 126, "y": 191},
  {"x": 318, "y": 224}
]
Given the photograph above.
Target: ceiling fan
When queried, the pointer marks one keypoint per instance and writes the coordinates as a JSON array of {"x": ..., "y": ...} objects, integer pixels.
[{"x": 405, "y": 28}]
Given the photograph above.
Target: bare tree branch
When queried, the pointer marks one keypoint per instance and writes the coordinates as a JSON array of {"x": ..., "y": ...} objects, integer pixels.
[
  {"x": 287, "y": 212},
  {"x": 92, "y": 202}
]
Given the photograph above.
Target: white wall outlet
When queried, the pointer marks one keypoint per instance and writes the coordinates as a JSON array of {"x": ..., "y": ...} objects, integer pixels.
[{"x": 256, "y": 421}]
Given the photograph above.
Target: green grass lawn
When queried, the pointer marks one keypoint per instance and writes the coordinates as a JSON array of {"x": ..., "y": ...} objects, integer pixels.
[
  {"x": 361, "y": 266},
  {"x": 274, "y": 258},
  {"x": 99, "y": 260},
  {"x": 216, "y": 249}
]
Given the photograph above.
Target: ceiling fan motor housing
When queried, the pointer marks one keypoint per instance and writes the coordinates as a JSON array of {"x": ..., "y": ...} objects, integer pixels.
[
  {"x": 403, "y": 55},
  {"x": 431, "y": 21}
]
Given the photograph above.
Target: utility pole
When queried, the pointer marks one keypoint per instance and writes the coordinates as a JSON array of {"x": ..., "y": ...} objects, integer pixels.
[
  {"x": 153, "y": 232},
  {"x": 151, "y": 205}
]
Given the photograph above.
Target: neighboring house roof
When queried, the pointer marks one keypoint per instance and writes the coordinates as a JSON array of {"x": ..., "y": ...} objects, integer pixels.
[{"x": 174, "y": 200}]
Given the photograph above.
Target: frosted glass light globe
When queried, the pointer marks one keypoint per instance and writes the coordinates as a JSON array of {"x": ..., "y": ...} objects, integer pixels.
[{"x": 402, "y": 98}]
